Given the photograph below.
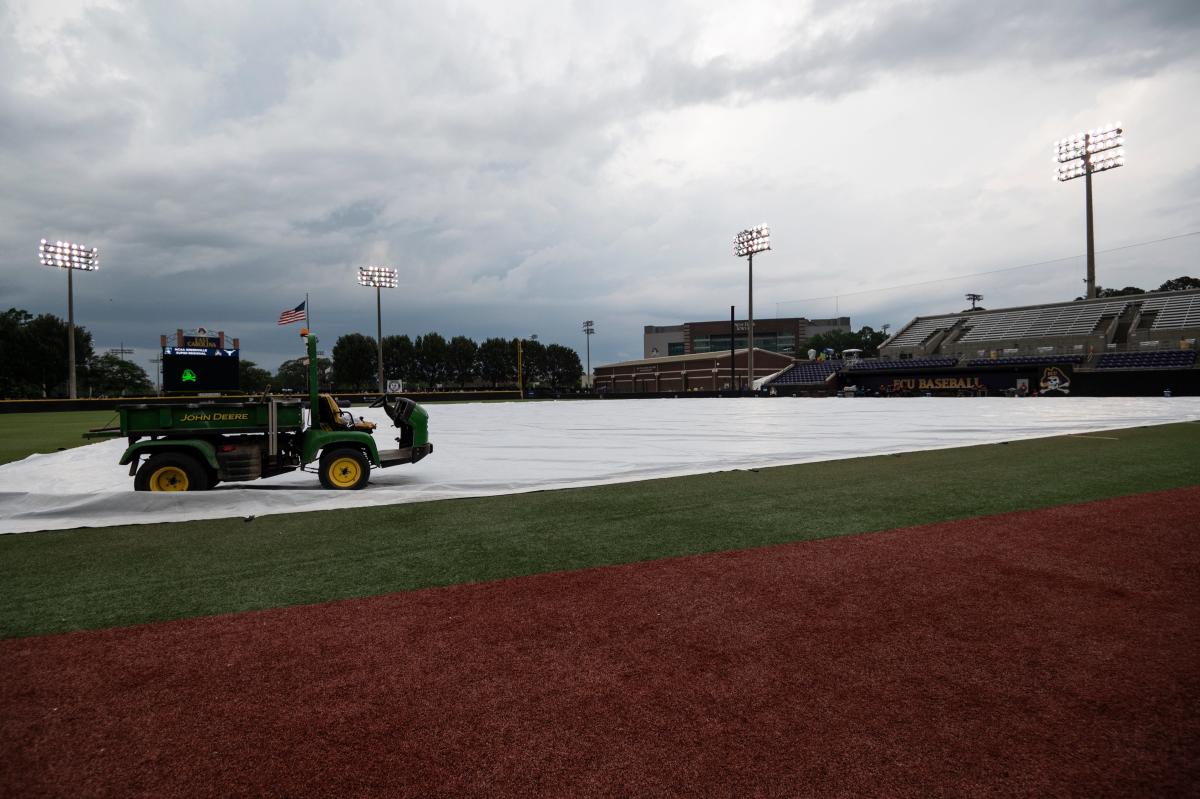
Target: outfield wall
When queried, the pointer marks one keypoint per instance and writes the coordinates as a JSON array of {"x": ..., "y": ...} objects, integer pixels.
[{"x": 999, "y": 380}]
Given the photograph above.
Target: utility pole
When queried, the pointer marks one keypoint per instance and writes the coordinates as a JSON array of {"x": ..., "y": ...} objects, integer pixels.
[{"x": 589, "y": 329}]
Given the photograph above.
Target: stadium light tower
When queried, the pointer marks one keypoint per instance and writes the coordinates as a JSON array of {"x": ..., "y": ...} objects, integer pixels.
[
  {"x": 589, "y": 330},
  {"x": 1080, "y": 155},
  {"x": 378, "y": 277},
  {"x": 745, "y": 244},
  {"x": 974, "y": 298},
  {"x": 69, "y": 256}
]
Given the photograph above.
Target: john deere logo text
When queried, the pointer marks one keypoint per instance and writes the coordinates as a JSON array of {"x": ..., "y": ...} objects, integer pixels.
[{"x": 215, "y": 417}]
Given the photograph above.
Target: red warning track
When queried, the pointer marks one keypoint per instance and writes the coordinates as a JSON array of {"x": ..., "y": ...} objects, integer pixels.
[{"x": 1036, "y": 654}]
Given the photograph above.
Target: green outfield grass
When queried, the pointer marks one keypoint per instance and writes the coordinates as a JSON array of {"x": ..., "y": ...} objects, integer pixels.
[
  {"x": 23, "y": 434},
  {"x": 91, "y": 578}
]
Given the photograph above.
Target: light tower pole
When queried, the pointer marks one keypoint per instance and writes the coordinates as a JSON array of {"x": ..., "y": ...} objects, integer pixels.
[
  {"x": 589, "y": 329},
  {"x": 746, "y": 243},
  {"x": 378, "y": 277},
  {"x": 1080, "y": 155},
  {"x": 69, "y": 256}
]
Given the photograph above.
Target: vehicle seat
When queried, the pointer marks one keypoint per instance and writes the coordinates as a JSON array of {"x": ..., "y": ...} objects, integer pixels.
[{"x": 332, "y": 417}]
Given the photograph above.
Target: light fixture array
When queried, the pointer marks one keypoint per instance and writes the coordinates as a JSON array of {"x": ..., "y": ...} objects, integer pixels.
[
  {"x": 1094, "y": 150},
  {"x": 755, "y": 239},
  {"x": 381, "y": 277},
  {"x": 68, "y": 255}
]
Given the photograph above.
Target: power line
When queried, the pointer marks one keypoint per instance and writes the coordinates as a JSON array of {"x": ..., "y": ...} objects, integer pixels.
[{"x": 981, "y": 274}]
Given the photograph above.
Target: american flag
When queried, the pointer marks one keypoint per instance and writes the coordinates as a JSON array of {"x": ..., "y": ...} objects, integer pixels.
[{"x": 294, "y": 315}]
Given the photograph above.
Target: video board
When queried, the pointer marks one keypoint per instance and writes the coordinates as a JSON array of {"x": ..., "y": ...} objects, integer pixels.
[{"x": 199, "y": 369}]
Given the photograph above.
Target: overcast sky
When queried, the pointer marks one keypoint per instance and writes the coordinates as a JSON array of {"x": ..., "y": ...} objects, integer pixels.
[{"x": 526, "y": 166}]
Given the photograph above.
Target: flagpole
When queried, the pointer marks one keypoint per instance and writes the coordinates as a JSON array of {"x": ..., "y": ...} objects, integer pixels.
[{"x": 308, "y": 372}]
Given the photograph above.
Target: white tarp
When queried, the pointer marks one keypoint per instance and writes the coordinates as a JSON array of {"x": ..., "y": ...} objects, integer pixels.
[{"x": 483, "y": 449}]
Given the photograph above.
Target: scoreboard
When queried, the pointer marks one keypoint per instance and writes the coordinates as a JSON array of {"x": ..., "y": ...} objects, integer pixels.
[{"x": 199, "y": 369}]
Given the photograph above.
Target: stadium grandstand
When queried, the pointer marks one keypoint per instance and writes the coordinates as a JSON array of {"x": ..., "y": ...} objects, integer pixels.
[
  {"x": 1140, "y": 322},
  {"x": 1135, "y": 344}
]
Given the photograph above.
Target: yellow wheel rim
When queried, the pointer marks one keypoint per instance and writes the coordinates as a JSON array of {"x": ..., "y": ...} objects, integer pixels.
[
  {"x": 344, "y": 472},
  {"x": 169, "y": 478}
]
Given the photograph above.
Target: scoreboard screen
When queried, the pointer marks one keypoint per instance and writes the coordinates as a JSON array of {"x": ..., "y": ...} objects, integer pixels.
[{"x": 199, "y": 369}]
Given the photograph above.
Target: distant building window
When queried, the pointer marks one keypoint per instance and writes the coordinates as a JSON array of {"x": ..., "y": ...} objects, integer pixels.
[{"x": 675, "y": 348}]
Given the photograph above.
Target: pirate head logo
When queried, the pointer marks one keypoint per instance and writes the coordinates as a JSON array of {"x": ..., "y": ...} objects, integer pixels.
[{"x": 1054, "y": 379}]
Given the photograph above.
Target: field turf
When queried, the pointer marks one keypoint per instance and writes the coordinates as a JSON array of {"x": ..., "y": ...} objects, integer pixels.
[
  {"x": 1044, "y": 653},
  {"x": 22, "y": 434},
  {"x": 85, "y": 579}
]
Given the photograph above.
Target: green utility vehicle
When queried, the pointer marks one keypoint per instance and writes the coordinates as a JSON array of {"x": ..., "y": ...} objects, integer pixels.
[{"x": 194, "y": 446}]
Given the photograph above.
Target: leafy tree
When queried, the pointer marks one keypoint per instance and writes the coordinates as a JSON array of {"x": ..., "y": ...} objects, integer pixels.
[
  {"x": 110, "y": 375},
  {"x": 431, "y": 352},
  {"x": 533, "y": 361},
  {"x": 399, "y": 359},
  {"x": 563, "y": 368},
  {"x": 35, "y": 354},
  {"x": 355, "y": 361},
  {"x": 836, "y": 340},
  {"x": 293, "y": 374},
  {"x": 1103, "y": 293},
  {"x": 1125, "y": 292},
  {"x": 866, "y": 339},
  {"x": 15, "y": 379},
  {"x": 869, "y": 340},
  {"x": 462, "y": 360},
  {"x": 1177, "y": 284},
  {"x": 497, "y": 362},
  {"x": 1180, "y": 284},
  {"x": 252, "y": 378}
]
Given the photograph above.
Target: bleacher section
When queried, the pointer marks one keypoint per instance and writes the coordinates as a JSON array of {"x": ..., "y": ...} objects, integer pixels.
[
  {"x": 1154, "y": 359},
  {"x": 1179, "y": 311},
  {"x": 1076, "y": 319},
  {"x": 906, "y": 363},
  {"x": 1026, "y": 360},
  {"x": 1098, "y": 346},
  {"x": 1131, "y": 323},
  {"x": 808, "y": 373},
  {"x": 921, "y": 329}
]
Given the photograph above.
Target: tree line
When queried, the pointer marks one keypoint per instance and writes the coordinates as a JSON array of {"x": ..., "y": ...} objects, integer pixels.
[
  {"x": 866, "y": 339},
  {"x": 426, "y": 362},
  {"x": 1176, "y": 284},
  {"x": 35, "y": 361}
]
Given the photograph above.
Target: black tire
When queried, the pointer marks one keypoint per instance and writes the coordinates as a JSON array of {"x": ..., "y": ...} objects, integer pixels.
[
  {"x": 171, "y": 471},
  {"x": 344, "y": 469}
]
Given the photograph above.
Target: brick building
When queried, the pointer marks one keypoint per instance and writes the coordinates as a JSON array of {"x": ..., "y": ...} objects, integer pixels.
[
  {"x": 706, "y": 371},
  {"x": 788, "y": 336}
]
